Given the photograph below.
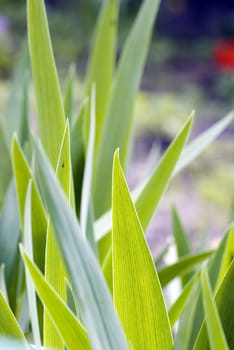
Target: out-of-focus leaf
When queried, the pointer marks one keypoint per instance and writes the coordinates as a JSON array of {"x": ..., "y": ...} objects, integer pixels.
[
  {"x": 56, "y": 277},
  {"x": 179, "y": 268},
  {"x": 32, "y": 303},
  {"x": 70, "y": 329},
  {"x": 213, "y": 324},
  {"x": 182, "y": 243},
  {"x": 227, "y": 257},
  {"x": 22, "y": 176},
  {"x": 159, "y": 258},
  {"x": 9, "y": 238},
  {"x": 5, "y": 165},
  {"x": 224, "y": 300},
  {"x": 9, "y": 326},
  {"x": 186, "y": 322},
  {"x": 147, "y": 197},
  {"x": 49, "y": 101},
  {"x": 15, "y": 115},
  {"x": 102, "y": 62},
  {"x": 138, "y": 296},
  {"x": 202, "y": 142},
  {"x": 11, "y": 344},
  {"x": 117, "y": 128},
  {"x": 92, "y": 296},
  {"x": 78, "y": 152},
  {"x": 69, "y": 93},
  {"x": 213, "y": 267},
  {"x": 178, "y": 306}
]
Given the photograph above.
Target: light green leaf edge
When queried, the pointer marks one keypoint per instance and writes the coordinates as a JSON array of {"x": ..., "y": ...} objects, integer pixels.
[
  {"x": 32, "y": 303},
  {"x": 213, "y": 324},
  {"x": 92, "y": 296},
  {"x": 138, "y": 296},
  {"x": 88, "y": 170},
  {"x": 56, "y": 277},
  {"x": 70, "y": 329},
  {"x": 116, "y": 131},
  {"x": 8, "y": 323},
  {"x": 69, "y": 94},
  {"x": 22, "y": 176},
  {"x": 178, "y": 306},
  {"x": 48, "y": 95}
]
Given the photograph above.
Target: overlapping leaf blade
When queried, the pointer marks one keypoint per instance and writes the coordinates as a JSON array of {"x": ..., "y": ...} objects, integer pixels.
[
  {"x": 66, "y": 323},
  {"x": 213, "y": 324},
  {"x": 224, "y": 300},
  {"x": 93, "y": 298},
  {"x": 8, "y": 323},
  {"x": 137, "y": 292},
  {"x": 119, "y": 113}
]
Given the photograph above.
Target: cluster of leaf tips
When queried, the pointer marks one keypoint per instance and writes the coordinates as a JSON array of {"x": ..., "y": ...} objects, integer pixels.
[{"x": 75, "y": 267}]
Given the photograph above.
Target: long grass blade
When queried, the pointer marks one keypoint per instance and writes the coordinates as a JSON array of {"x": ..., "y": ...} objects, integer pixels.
[
  {"x": 137, "y": 292},
  {"x": 93, "y": 298},
  {"x": 120, "y": 107},
  {"x": 48, "y": 95},
  {"x": 70, "y": 329},
  {"x": 213, "y": 324}
]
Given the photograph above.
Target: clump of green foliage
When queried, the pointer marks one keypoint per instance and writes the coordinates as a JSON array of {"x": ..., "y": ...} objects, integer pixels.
[{"x": 76, "y": 270}]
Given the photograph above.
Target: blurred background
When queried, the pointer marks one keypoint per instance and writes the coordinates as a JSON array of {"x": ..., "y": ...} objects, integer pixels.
[{"x": 190, "y": 66}]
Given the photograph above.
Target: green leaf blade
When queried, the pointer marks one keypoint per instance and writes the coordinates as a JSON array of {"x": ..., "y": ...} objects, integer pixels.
[
  {"x": 66, "y": 323},
  {"x": 94, "y": 301},
  {"x": 214, "y": 327},
  {"x": 137, "y": 292},
  {"x": 48, "y": 95}
]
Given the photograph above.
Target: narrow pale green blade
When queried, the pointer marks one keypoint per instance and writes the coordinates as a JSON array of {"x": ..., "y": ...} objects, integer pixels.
[
  {"x": 32, "y": 303},
  {"x": 168, "y": 273},
  {"x": 8, "y": 323},
  {"x": 116, "y": 131},
  {"x": 182, "y": 242},
  {"x": 5, "y": 164},
  {"x": 102, "y": 62},
  {"x": 49, "y": 101},
  {"x": 69, "y": 94},
  {"x": 3, "y": 287},
  {"x": 93, "y": 298},
  {"x": 182, "y": 337},
  {"x": 213, "y": 324},
  {"x": 148, "y": 195},
  {"x": 22, "y": 176},
  {"x": 138, "y": 296},
  {"x": 56, "y": 277},
  {"x": 70, "y": 329},
  {"x": 9, "y": 239},
  {"x": 178, "y": 306},
  {"x": 202, "y": 141},
  {"x": 88, "y": 170},
  {"x": 159, "y": 258},
  {"x": 224, "y": 300},
  {"x": 153, "y": 190}
]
